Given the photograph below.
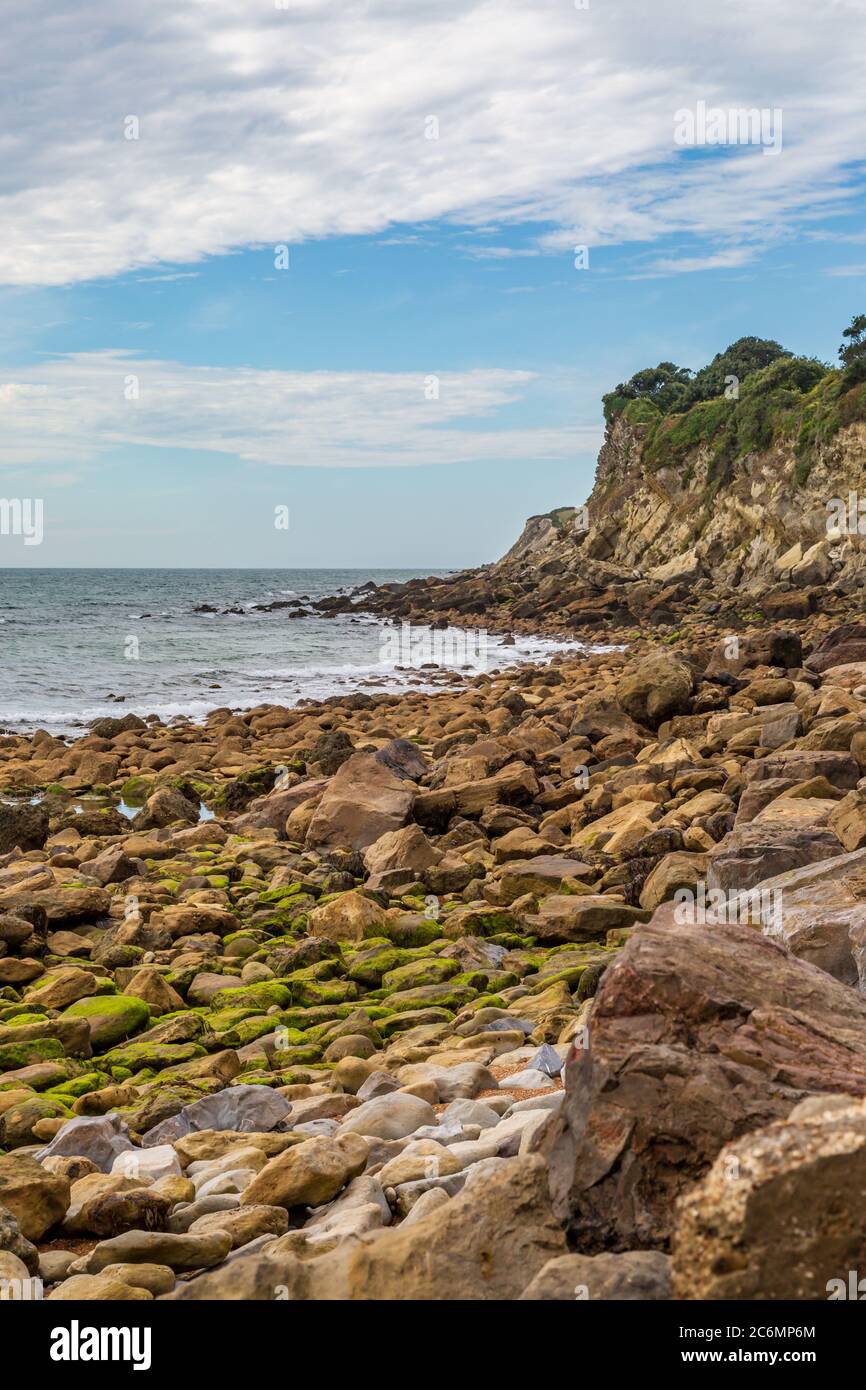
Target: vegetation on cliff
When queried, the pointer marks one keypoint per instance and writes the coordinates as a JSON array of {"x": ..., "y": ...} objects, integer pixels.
[{"x": 754, "y": 396}]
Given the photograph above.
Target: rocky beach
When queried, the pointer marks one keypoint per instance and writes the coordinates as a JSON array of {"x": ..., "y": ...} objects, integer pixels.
[{"x": 545, "y": 986}]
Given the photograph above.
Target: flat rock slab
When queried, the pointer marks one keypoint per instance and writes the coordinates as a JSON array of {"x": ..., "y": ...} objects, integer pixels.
[{"x": 240, "y": 1108}]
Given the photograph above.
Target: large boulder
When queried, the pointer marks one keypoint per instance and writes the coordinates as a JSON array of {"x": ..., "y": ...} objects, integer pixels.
[
  {"x": 62, "y": 903},
  {"x": 679, "y": 869},
  {"x": 546, "y": 873},
  {"x": 331, "y": 750},
  {"x": 659, "y": 686},
  {"x": 403, "y": 757},
  {"x": 568, "y": 917},
  {"x": 697, "y": 1036},
  {"x": 363, "y": 800},
  {"x": 389, "y": 1117},
  {"x": 780, "y": 1215},
  {"x": 801, "y": 765},
  {"x": 110, "y": 727},
  {"x": 166, "y": 806},
  {"x": 243, "y": 1109},
  {"x": 514, "y": 785},
  {"x": 97, "y": 1138}
]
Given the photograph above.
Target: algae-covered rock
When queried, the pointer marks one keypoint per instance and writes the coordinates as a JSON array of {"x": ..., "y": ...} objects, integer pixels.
[{"x": 110, "y": 1017}]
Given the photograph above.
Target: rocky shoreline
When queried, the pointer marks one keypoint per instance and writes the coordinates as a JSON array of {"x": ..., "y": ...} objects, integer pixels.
[{"x": 552, "y": 983}]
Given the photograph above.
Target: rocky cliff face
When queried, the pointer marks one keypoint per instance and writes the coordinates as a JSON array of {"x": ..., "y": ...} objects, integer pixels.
[{"x": 761, "y": 526}]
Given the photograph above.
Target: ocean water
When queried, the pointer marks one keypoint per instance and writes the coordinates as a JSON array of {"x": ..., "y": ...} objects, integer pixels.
[{"x": 69, "y": 639}]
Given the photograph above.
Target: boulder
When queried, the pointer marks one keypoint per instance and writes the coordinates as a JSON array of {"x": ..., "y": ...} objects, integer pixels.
[
  {"x": 363, "y": 800},
  {"x": 819, "y": 913},
  {"x": 770, "y": 647},
  {"x": 12, "y": 1242},
  {"x": 36, "y": 1198},
  {"x": 800, "y": 765},
  {"x": 164, "y": 807},
  {"x": 349, "y": 917},
  {"x": 680, "y": 869},
  {"x": 151, "y": 986},
  {"x": 697, "y": 1035},
  {"x": 23, "y": 825},
  {"x": 110, "y": 1017},
  {"x": 62, "y": 987},
  {"x": 759, "y": 850},
  {"x": 243, "y": 1224},
  {"x": 99, "y": 1139},
  {"x": 330, "y": 751},
  {"x": 403, "y": 758},
  {"x": 243, "y": 1109},
  {"x": 89, "y": 1288},
  {"x": 389, "y": 1117},
  {"x": 841, "y": 646},
  {"x": 658, "y": 687},
  {"x": 545, "y": 873},
  {"x": 272, "y": 811},
  {"x": 110, "y": 1213},
  {"x": 847, "y": 820},
  {"x": 406, "y": 852},
  {"x": 635, "y": 1275},
  {"x": 586, "y": 917},
  {"x": 308, "y": 1174},
  {"x": 779, "y": 1215},
  {"x": 179, "y": 1252}
]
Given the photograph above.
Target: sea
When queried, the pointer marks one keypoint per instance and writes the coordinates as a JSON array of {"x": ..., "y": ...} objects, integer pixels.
[{"x": 77, "y": 644}]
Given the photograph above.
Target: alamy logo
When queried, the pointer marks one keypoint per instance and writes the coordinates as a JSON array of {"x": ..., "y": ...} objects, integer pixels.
[
  {"x": 21, "y": 1290},
  {"x": 853, "y": 1288},
  {"x": 736, "y": 126},
  {"x": 846, "y": 516},
  {"x": 415, "y": 647},
  {"x": 22, "y": 516},
  {"x": 77, "y": 1343}
]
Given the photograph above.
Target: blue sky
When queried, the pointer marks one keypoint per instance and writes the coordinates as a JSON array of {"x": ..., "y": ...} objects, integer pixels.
[{"x": 163, "y": 386}]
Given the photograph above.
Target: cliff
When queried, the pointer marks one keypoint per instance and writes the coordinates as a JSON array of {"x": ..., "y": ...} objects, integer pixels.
[{"x": 751, "y": 499}]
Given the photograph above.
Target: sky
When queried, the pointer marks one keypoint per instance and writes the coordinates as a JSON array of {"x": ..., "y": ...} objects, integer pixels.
[{"x": 290, "y": 283}]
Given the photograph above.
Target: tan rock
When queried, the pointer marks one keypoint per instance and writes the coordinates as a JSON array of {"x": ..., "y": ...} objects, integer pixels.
[
  {"x": 36, "y": 1198},
  {"x": 309, "y": 1174},
  {"x": 363, "y": 800},
  {"x": 350, "y": 917}
]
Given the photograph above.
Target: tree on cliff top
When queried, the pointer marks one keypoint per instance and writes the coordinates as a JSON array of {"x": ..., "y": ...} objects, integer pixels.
[
  {"x": 739, "y": 361},
  {"x": 853, "y": 353},
  {"x": 674, "y": 389},
  {"x": 663, "y": 386}
]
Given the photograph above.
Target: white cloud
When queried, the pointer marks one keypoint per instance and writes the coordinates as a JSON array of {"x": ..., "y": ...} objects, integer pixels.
[
  {"x": 80, "y": 407},
  {"x": 260, "y": 125},
  {"x": 680, "y": 265}
]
